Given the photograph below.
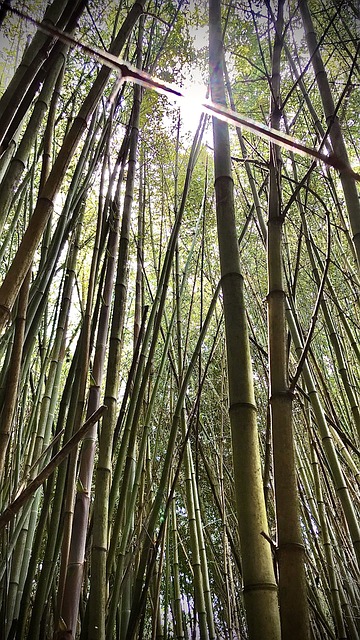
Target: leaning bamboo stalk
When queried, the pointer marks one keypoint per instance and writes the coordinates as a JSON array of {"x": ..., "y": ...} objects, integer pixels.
[
  {"x": 339, "y": 479},
  {"x": 57, "y": 357},
  {"x": 12, "y": 509},
  {"x": 32, "y": 60},
  {"x": 199, "y": 595},
  {"x": 334, "y": 590},
  {"x": 140, "y": 589},
  {"x": 202, "y": 551},
  {"x": 154, "y": 322},
  {"x": 128, "y": 443},
  {"x": 45, "y": 204},
  {"x": 15, "y": 580},
  {"x": 53, "y": 542},
  {"x": 13, "y": 374},
  {"x": 48, "y": 54},
  {"x": 176, "y": 598},
  {"x": 72, "y": 211},
  {"x": 98, "y": 590},
  {"x": 75, "y": 562},
  {"x": 19, "y": 160},
  {"x": 122, "y": 525},
  {"x": 336, "y": 344}
]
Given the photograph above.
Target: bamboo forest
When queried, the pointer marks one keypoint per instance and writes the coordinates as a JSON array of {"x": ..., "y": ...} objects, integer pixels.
[{"x": 179, "y": 319}]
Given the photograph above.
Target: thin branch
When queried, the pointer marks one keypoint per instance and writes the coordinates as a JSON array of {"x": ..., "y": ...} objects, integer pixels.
[{"x": 317, "y": 305}]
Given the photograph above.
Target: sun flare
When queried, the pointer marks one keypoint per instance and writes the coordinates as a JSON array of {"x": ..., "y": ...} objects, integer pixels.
[{"x": 191, "y": 105}]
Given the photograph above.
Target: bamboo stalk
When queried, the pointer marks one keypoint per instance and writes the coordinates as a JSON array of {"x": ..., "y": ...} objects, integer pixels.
[{"x": 16, "y": 505}]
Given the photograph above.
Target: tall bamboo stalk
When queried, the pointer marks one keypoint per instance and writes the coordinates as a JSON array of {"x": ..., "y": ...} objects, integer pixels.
[
  {"x": 98, "y": 592},
  {"x": 290, "y": 552},
  {"x": 260, "y": 590}
]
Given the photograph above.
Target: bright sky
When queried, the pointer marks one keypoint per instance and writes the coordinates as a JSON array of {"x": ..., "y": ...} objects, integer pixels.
[{"x": 194, "y": 84}]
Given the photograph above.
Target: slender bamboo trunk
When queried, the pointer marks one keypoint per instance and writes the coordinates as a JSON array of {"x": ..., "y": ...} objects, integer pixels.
[
  {"x": 333, "y": 582},
  {"x": 148, "y": 552},
  {"x": 74, "y": 574},
  {"x": 178, "y": 614},
  {"x": 260, "y": 591},
  {"x": 27, "y": 69},
  {"x": 13, "y": 375},
  {"x": 290, "y": 552},
  {"x": 339, "y": 479},
  {"x": 139, "y": 254},
  {"x": 19, "y": 104},
  {"x": 58, "y": 354},
  {"x": 199, "y": 595},
  {"x": 98, "y": 591},
  {"x": 20, "y": 158}
]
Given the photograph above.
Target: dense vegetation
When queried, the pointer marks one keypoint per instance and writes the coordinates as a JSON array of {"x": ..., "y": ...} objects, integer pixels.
[{"x": 179, "y": 313}]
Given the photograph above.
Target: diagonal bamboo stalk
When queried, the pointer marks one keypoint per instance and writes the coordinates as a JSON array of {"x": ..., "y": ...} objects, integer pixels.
[
  {"x": 16, "y": 273},
  {"x": 12, "y": 509}
]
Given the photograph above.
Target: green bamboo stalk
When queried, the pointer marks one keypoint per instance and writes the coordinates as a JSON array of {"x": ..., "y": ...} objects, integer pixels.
[
  {"x": 294, "y": 615},
  {"x": 28, "y": 67},
  {"x": 203, "y": 555},
  {"x": 16, "y": 110},
  {"x": 75, "y": 561},
  {"x": 178, "y": 615},
  {"x": 260, "y": 591},
  {"x": 336, "y": 345},
  {"x": 199, "y": 595},
  {"x": 16, "y": 505},
  {"x": 128, "y": 441},
  {"x": 13, "y": 374},
  {"x": 153, "y": 328},
  {"x": 98, "y": 590},
  {"x": 339, "y": 480},
  {"x": 334, "y": 590},
  {"x": 53, "y": 541},
  {"x": 19, "y": 160},
  {"x": 57, "y": 356},
  {"x": 138, "y": 307},
  {"x": 71, "y": 212},
  {"x": 140, "y": 592}
]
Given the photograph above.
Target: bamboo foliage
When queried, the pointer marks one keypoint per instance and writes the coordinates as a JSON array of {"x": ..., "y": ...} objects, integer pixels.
[{"x": 179, "y": 397}]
